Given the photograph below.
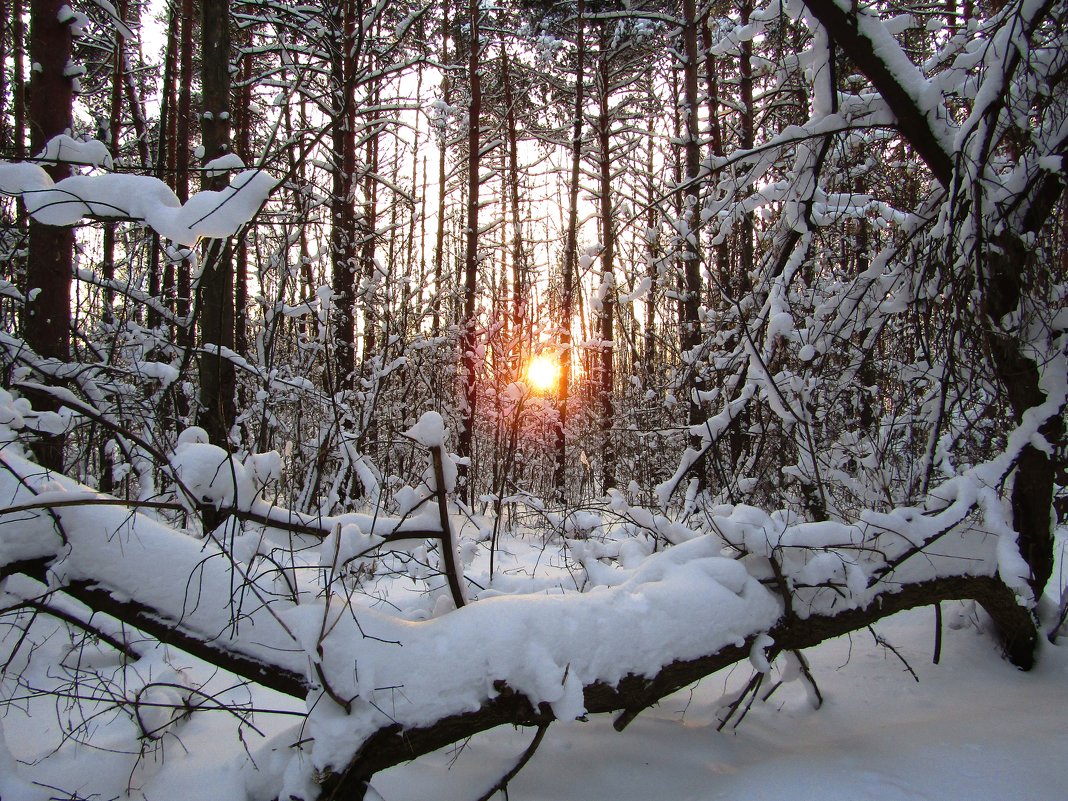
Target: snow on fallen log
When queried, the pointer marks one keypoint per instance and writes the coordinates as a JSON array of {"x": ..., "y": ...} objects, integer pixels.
[
  {"x": 381, "y": 670},
  {"x": 180, "y": 589},
  {"x": 381, "y": 688},
  {"x": 679, "y": 604}
]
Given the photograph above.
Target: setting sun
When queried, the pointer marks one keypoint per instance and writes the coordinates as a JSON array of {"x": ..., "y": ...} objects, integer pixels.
[{"x": 543, "y": 373}]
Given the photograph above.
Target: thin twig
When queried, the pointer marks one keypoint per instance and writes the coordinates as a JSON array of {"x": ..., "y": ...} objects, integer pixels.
[
  {"x": 938, "y": 634},
  {"x": 502, "y": 785},
  {"x": 886, "y": 644}
]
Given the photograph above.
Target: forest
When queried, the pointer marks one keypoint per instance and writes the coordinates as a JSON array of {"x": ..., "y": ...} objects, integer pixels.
[{"x": 436, "y": 367}]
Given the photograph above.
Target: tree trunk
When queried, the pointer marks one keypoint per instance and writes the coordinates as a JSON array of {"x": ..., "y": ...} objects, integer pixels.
[
  {"x": 216, "y": 288},
  {"x": 570, "y": 261},
  {"x": 107, "y": 264},
  {"x": 162, "y": 283},
  {"x": 186, "y": 326},
  {"x": 18, "y": 82},
  {"x": 342, "y": 215},
  {"x": 748, "y": 133},
  {"x": 652, "y": 222},
  {"x": 243, "y": 147},
  {"x": 368, "y": 226},
  {"x": 468, "y": 335},
  {"x": 439, "y": 234},
  {"x": 49, "y": 270},
  {"x": 691, "y": 256},
  {"x": 715, "y": 140},
  {"x": 606, "y": 350},
  {"x": 520, "y": 267},
  {"x": 373, "y": 317},
  {"x": 5, "y": 38}
]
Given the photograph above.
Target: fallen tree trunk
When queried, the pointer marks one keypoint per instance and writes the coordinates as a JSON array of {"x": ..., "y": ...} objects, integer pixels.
[
  {"x": 679, "y": 615},
  {"x": 394, "y": 745}
]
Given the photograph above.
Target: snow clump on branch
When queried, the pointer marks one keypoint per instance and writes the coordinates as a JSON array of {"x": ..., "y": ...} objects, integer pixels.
[{"x": 112, "y": 196}]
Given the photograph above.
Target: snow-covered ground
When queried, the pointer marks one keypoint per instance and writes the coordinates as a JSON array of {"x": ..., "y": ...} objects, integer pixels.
[
  {"x": 893, "y": 725},
  {"x": 973, "y": 727}
]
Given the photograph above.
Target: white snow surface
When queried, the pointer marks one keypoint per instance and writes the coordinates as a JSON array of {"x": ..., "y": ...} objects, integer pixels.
[
  {"x": 972, "y": 729},
  {"x": 414, "y": 667}
]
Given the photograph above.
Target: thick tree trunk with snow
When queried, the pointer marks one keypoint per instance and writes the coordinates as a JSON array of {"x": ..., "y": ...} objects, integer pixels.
[{"x": 1019, "y": 374}]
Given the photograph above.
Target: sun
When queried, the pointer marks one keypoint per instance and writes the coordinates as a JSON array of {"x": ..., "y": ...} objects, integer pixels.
[{"x": 543, "y": 373}]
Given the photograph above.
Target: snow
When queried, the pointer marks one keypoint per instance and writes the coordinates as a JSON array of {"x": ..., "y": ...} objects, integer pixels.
[
  {"x": 647, "y": 609},
  {"x": 136, "y": 197},
  {"x": 972, "y": 729},
  {"x": 230, "y": 161},
  {"x": 534, "y": 645},
  {"x": 211, "y": 475},
  {"x": 429, "y": 431},
  {"x": 77, "y": 151},
  {"x": 626, "y": 591},
  {"x": 537, "y": 644}
]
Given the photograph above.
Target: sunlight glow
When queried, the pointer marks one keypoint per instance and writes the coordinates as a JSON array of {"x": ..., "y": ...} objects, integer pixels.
[{"x": 543, "y": 373}]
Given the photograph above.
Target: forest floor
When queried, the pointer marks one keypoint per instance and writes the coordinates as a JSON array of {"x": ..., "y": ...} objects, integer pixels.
[{"x": 971, "y": 727}]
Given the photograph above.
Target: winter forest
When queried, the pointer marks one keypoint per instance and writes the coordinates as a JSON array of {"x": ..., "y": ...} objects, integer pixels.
[{"x": 377, "y": 374}]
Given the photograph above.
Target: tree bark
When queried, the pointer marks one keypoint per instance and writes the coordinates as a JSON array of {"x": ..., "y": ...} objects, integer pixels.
[
  {"x": 342, "y": 215},
  {"x": 570, "y": 260},
  {"x": 182, "y": 140},
  {"x": 162, "y": 281},
  {"x": 216, "y": 288},
  {"x": 107, "y": 265},
  {"x": 606, "y": 351},
  {"x": 50, "y": 265},
  {"x": 468, "y": 336},
  {"x": 18, "y": 83},
  {"x": 439, "y": 233},
  {"x": 520, "y": 279},
  {"x": 243, "y": 122}
]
